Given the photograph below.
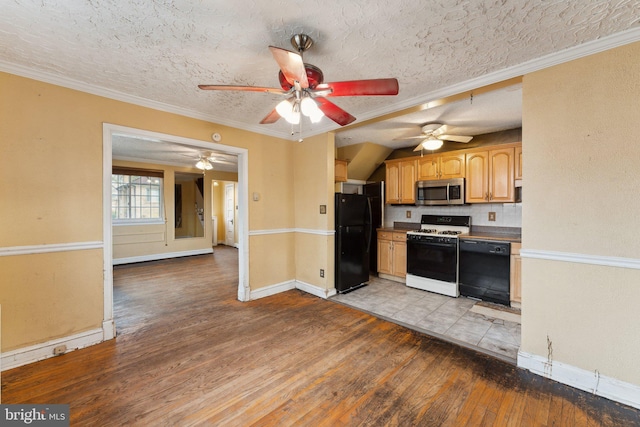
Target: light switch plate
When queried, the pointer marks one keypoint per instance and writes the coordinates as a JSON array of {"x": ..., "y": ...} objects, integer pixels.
[{"x": 323, "y": 209}]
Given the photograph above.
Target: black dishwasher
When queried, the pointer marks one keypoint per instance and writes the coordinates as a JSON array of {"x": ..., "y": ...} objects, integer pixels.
[{"x": 484, "y": 270}]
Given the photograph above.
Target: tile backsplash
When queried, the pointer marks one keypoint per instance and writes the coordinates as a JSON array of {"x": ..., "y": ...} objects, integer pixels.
[{"x": 507, "y": 214}]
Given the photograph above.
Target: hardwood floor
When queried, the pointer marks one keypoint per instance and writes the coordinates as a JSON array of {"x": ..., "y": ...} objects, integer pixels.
[{"x": 188, "y": 353}]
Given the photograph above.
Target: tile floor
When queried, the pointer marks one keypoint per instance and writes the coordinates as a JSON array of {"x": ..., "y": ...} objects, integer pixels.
[{"x": 441, "y": 316}]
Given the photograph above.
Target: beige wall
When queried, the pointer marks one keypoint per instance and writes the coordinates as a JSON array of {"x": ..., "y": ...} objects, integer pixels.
[
  {"x": 51, "y": 193},
  {"x": 314, "y": 186},
  {"x": 581, "y": 123},
  {"x": 50, "y": 295}
]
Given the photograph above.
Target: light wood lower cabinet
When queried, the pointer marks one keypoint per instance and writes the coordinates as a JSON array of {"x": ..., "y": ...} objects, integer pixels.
[
  {"x": 516, "y": 276},
  {"x": 392, "y": 255}
]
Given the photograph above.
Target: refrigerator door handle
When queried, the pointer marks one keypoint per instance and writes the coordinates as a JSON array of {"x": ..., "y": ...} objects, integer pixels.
[{"x": 370, "y": 225}]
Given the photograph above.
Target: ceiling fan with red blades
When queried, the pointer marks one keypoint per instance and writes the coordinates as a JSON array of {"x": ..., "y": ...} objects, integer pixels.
[{"x": 303, "y": 86}]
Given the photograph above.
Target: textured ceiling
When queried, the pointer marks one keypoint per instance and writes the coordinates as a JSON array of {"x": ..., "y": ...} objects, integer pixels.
[{"x": 159, "y": 51}]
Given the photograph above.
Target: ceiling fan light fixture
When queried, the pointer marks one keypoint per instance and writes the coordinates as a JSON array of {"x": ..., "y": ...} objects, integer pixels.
[
  {"x": 284, "y": 108},
  {"x": 432, "y": 144},
  {"x": 203, "y": 164},
  {"x": 316, "y": 117},
  {"x": 308, "y": 106}
]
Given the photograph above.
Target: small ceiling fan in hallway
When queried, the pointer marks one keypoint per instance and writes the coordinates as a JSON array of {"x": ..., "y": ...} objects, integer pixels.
[
  {"x": 306, "y": 93},
  {"x": 433, "y": 135}
]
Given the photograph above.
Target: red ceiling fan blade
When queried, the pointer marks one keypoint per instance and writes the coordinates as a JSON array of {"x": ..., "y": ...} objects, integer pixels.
[
  {"x": 362, "y": 87},
  {"x": 243, "y": 88},
  {"x": 334, "y": 112},
  {"x": 291, "y": 65},
  {"x": 272, "y": 117}
]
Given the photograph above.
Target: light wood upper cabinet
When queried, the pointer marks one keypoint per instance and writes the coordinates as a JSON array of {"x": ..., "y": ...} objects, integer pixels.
[
  {"x": 441, "y": 166},
  {"x": 428, "y": 167},
  {"x": 408, "y": 174},
  {"x": 452, "y": 166},
  {"x": 490, "y": 176},
  {"x": 341, "y": 171},
  {"x": 518, "y": 154},
  {"x": 490, "y": 173},
  {"x": 400, "y": 181},
  {"x": 392, "y": 184}
]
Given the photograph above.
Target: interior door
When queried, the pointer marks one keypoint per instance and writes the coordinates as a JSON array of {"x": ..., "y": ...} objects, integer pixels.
[{"x": 229, "y": 211}]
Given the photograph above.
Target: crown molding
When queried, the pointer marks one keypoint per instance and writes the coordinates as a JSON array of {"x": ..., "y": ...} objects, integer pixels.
[{"x": 566, "y": 55}]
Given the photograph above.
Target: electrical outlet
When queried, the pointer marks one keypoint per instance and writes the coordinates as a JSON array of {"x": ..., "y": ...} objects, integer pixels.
[
  {"x": 492, "y": 216},
  {"x": 321, "y": 272},
  {"x": 58, "y": 350},
  {"x": 408, "y": 214}
]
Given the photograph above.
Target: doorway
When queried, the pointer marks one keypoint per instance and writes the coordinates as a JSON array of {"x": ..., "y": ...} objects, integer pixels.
[
  {"x": 111, "y": 130},
  {"x": 229, "y": 214}
]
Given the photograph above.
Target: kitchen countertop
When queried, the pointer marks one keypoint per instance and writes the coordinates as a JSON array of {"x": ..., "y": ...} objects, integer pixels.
[
  {"x": 392, "y": 229},
  {"x": 513, "y": 238},
  {"x": 508, "y": 234}
]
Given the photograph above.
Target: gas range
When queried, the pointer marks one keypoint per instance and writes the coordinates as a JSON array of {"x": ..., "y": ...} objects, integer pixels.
[
  {"x": 432, "y": 253},
  {"x": 446, "y": 227}
]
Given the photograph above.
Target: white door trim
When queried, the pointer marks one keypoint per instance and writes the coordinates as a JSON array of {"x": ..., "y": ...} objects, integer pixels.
[{"x": 108, "y": 130}]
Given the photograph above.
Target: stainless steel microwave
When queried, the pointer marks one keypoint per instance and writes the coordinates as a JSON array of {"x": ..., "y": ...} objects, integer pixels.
[{"x": 440, "y": 192}]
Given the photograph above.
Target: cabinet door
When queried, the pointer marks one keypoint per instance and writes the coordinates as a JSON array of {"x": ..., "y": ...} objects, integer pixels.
[
  {"x": 408, "y": 181},
  {"x": 477, "y": 171},
  {"x": 501, "y": 179},
  {"x": 518, "y": 156},
  {"x": 428, "y": 168},
  {"x": 452, "y": 166},
  {"x": 340, "y": 170},
  {"x": 392, "y": 186},
  {"x": 384, "y": 257},
  {"x": 399, "y": 259}
]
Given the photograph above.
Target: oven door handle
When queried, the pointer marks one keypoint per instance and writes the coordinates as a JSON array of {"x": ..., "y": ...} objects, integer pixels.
[{"x": 435, "y": 244}]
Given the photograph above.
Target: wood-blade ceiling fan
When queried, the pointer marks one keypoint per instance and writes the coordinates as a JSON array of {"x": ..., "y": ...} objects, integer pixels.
[{"x": 303, "y": 86}]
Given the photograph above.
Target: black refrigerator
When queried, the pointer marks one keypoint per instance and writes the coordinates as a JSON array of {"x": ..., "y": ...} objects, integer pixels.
[
  {"x": 353, "y": 239},
  {"x": 375, "y": 192}
]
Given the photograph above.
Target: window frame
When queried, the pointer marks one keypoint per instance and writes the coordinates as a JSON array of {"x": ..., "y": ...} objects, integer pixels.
[{"x": 146, "y": 173}]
